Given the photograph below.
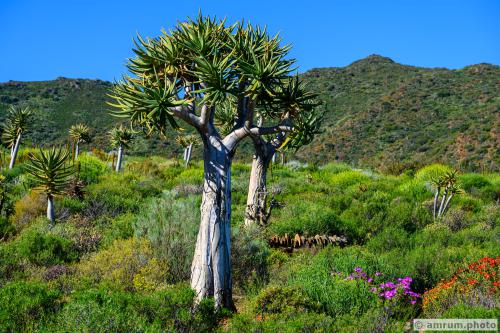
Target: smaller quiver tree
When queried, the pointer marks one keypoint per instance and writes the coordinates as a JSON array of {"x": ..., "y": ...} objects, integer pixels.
[
  {"x": 14, "y": 128},
  {"x": 50, "y": 170},
  {"x": 446, "y": 187},
  {"x": 305, "y": 124},
  {"x": 120, "y": 137},
  {"x": 187, "y": 142},
  {"x": 79, "y": 133}
]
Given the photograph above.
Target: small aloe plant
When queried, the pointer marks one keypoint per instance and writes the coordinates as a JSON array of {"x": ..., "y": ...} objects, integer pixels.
[
  {"x": 80, "y": 133},
  {"x": 50, "y": 170},
  {"x": 446, "y": 187},
  {"x": 187, "y": 142},
  {"x": 121, "y": 137},
  {"x": 14, "y": 128}
]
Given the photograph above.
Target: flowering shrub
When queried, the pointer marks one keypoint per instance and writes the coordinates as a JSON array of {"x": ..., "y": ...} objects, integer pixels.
[
  {"x": 401, "y": 290},
  {"x": 476, "y": 285}
]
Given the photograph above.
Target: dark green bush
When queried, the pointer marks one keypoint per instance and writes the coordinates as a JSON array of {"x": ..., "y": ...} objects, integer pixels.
[
  {"x": 45, "y": 249},
  {"x": 462, "y": 311},
  {"x": 24, "y": 306},
  {"x": 249, "y": 258},
  {"x": 101, "y": 310},
  {"x": 6, "y": 228},
  {"x": 301, "y": 322},
  {"x": 91, "y": 168},
  {"x": 284, "y": 300}
]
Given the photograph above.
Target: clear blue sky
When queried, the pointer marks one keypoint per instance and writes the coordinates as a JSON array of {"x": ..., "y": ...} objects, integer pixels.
[{"x": 44, "y": 39}]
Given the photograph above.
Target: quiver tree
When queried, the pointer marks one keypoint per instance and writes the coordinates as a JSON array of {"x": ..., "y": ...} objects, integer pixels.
[
  {"x": 51, "y": 172},
  {"x": 79, "y": 133},
  {"x": 120, "y": 138},
  {"x": 446, "y": 188},
  {"x": 14, "y": 128},
  {"x": 296, "y": 100},
  {"x": 193, "y": 74},
  {"x": 187, "y": 142}
]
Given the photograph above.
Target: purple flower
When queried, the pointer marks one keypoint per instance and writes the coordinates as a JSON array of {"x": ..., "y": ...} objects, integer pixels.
[
  {"x": 358, "y": 269},
  {"x": 413, "y": 301},
  {"x": 388, "y": 294},
  {"x": 370, "y": 280},
  {"x": 373, "y": 290},
  {"x": 378, "y": 274}
]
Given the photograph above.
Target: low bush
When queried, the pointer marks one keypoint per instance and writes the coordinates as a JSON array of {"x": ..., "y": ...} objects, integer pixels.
[
  {"x": 431, "y": 172},
  {"x": 28, "y": 209},
  {"x": 170, "y": 223},
  {"x": 25, "y": 306},
  {"x": 41, "y": 248},
  {"x": 284, "y": 301},
  {"x": 91, "y": 168},
  {"x": 249, "y": 258},
  {"x": 125, "y": 265},
  {"x": 102, "y": 310}
]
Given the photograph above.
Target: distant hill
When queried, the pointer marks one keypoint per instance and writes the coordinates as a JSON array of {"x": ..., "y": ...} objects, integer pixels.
[{"x": 379, "y": 114}]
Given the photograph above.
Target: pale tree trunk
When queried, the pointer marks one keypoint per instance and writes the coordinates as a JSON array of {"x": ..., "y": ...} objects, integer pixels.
[
  {"x": 211, "y": 267},
  {"x": 256, "y": 209},
  {"x": 442, "y": 202},
  {"x": 77, "y": 149},
  {"x": 188, "y": 154},
  {"x": 446, "y": 204},
  {"x": 436, "y": 196},
  {"x": 119, "y": 160},
  {"x": 50, "y": 209},
  {"x": 185, "y": 154},
  {"x": 15, "y": 150}
]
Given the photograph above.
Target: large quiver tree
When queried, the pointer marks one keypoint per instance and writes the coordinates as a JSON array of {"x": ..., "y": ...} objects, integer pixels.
[{"x": 194, "y": 73}]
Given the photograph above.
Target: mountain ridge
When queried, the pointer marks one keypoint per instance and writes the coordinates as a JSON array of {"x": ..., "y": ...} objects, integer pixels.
[{"x": 379, "y": 114}]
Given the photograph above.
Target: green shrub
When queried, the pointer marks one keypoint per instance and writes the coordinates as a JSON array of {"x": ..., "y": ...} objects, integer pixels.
[
  {"x": 462, "y": 311},
  {"x": 120, "y": 227},
  {"x": 249, "y": 258},
  {"x": 336, "y": 295},
  {"x": 24, "y": 306},
  {"x": 170, "y": 223},
  {"x": 347, "y": 178},
  {"x": 125, "y": 265},
  {"x": 117, "y": 193},
  {"x": 7, "y": 230},
  {"x": 431, "y": 172},
  {"x": 283, "y": 300},
  {"x": 301, "y": 322},
  {"x": 29, "y": 208},
  {"x": 91, "y": 168},
  {"x": 390, "y": 238},
  {"x": 305, "y": 214},
  {"x": 43, "y": 249},
  {"x": 101, "y": 310}
]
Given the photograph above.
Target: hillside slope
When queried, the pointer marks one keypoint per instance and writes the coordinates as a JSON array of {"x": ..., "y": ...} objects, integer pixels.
[{"x": 378, "y": 114}]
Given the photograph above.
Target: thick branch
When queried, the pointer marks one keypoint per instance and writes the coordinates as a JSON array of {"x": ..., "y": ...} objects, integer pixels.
[
  {"x": 190, "y": 118},
  {"x": 270, "y": 130}
]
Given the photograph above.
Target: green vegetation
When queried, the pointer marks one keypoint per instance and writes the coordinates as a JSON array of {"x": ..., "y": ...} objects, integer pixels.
[
  {"x": 411, "y": 231},
  {"x": 379, "y": 114},
  {"x": 118, "y": 259}
]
